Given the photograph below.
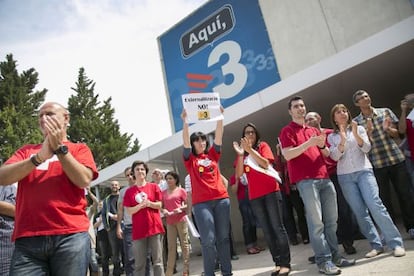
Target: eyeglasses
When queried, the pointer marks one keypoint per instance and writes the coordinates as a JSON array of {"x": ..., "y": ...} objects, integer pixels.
[{"x": 249, "y": 132}]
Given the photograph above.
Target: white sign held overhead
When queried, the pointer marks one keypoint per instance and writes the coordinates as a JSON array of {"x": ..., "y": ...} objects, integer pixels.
[{"x": 202, "y": 107}]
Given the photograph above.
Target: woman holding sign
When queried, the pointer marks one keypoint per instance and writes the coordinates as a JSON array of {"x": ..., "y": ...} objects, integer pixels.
[
  {"x": 210, "y": 200},
  {"x": 254, "y": 159}
]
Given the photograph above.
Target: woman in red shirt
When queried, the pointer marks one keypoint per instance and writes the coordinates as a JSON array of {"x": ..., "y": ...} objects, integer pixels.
[
  {"x": 143, "y": 202},
  {"x": 210, "y": 200},
  {"x": 254, "y": 159}
]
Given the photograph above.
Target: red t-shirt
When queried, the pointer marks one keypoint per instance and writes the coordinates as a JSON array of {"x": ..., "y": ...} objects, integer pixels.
[
  {"x": 281, "y": 167},
  {"x": 206, "y": 183},
  {"x": 172, "y": 201},
  {"x": 260, "y": 183},
  {"x": 330, "y": 164},
  {"x": 311, "y": 163},
  {"x": 47, "y": 202},
  {"x": 410, "y": 137},
  {"x": 146, "y": 222},
  {"x": 241, "y": 189}
]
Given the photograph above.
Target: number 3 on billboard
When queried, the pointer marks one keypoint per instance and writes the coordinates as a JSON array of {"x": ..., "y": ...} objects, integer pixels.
[{"x": 233, "y": 67}]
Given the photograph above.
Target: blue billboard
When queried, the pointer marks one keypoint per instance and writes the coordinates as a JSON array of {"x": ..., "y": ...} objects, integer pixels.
[{"x": 222, "y": 47}]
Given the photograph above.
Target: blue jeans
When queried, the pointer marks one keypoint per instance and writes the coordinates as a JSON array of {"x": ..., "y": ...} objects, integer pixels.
[
  {"x": 65, "y": 255},
  {"x": 347, "y": 224},
  {"x": 361, "y": 191},
  {"x": 213, "y": 222},
  {"x": 93, "y": 262},
  {"x": 319, "y": 198},
  {"x": 269, "y": 213},
  {"x": 249, "y": 223},
  {"x": 128, "y": 250}
]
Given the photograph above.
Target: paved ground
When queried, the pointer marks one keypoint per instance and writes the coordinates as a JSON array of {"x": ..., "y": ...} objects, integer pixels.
[{"x": 261, "y": 264}]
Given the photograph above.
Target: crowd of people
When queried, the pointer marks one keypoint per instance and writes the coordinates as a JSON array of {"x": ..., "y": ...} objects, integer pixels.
[{"x": 338, "y": 180}]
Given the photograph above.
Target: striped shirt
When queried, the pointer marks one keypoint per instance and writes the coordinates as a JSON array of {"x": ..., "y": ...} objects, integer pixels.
[
  {"x": 384, "y": 151},
  {"x": 7, "y": 194}
]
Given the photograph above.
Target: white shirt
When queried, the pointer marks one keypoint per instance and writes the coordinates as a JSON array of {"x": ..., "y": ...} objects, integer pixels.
[{"x": 354, "y": 158}]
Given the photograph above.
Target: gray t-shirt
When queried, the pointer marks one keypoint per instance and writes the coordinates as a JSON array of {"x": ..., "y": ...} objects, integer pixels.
[{"x": 127, "y": 217}]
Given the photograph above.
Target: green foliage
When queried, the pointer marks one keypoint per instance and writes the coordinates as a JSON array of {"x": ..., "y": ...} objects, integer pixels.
[
  {"x": 93, "y": 123},
  {"x": 18, "y": 107}
]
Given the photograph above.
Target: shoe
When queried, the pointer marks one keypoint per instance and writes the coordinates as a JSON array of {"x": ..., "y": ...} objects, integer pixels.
[
  {"x": 311, "y": 259},
  {"x": 275, "y": 272},
  {"x": 348, "y": 247},
  {"x": 328, "y": 268},
  {"x": 374, "y": 252},
  {"x": 286, "y": 273},
  {"x": 260, "y": 248},
  {"x": 411, "y": 233},
  {"x": 234, "y": 257},
  {"x": 294, "y": 241},
  {"x": 252, "y": 250},
  {"x": 399, "y": 251},
  {"x": 342, "y": 262},
  {"x": 305, "y": 241}
]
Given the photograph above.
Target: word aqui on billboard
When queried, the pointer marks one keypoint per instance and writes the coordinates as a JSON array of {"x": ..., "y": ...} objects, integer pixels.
[{"x": 215, "y": 26}]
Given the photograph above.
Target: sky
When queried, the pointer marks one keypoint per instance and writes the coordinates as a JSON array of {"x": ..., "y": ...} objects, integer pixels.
[{"x": 115, "y": 41}]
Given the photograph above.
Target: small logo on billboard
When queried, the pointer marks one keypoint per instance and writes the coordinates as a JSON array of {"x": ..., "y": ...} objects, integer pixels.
[{"x": 215, "y": 26}]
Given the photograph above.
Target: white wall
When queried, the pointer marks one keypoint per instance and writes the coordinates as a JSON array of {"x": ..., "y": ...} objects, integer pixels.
[{"x": 304, "y": 32}]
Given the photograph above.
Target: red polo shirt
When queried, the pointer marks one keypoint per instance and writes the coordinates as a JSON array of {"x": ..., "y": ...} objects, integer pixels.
[{"x": 310, "y": 164}]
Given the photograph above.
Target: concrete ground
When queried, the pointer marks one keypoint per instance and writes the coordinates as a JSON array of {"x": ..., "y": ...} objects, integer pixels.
[{"x": 261, "y": 264}]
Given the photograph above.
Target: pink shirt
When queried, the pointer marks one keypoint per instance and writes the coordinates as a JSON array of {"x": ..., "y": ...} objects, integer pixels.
[{"x": 172, "y": 201}]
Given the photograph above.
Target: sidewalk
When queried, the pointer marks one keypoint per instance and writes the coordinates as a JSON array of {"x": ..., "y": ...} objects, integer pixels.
[{"x": 261, "y": 264}]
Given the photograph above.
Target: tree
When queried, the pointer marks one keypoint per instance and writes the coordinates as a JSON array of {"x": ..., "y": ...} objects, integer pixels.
[
  {"x": 18, "y": 107},
  {"x": 94, "y": 123}
]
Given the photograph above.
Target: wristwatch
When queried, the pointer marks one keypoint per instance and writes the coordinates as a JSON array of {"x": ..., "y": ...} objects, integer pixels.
[{"x": 62, "y": 149}]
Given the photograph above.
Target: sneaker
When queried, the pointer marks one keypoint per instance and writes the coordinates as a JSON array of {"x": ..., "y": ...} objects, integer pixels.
[
  {"x": 342, "y": 262},
  {"x": 374, "y": 252},
  {"x": 399, "y": 251},
  {"x": 411, "y": 233},
  {"x": 328, "y": 268}
]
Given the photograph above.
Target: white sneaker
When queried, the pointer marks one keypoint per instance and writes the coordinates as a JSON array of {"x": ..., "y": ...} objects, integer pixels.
[
  {"x": 399, "y": 251},
  {"x": 374, "y": 252}
]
